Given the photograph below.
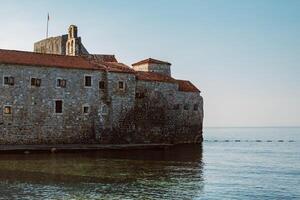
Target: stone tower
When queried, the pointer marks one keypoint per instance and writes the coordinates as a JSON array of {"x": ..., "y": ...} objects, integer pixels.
[
  {"x": 73, "y": 43},
  {"x": 153, "y": 65},
  {"x": 67, "y": 44}
]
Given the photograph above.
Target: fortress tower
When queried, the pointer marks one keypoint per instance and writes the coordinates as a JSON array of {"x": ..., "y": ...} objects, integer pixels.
[
  {"x": 68, "y": 44},
  {"x": 153, "y": 65},
  {"x": 73, "y": 45}
]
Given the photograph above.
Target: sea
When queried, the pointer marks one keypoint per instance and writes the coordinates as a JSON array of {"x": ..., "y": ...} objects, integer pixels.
[{"x": 232, "y": 163}]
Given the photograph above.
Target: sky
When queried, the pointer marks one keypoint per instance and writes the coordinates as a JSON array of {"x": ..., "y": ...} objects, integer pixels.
[{"x": 244, "y": 56}]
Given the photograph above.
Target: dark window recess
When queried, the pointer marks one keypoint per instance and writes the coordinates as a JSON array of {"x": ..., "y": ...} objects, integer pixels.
[
  {"x": 8, "y": 80},
  {"x": 101, "y": 85},
  {"x": 36, "y": 82},
  {"x": 7, "y": 110},
  {"x": 186, "y": 107},
  {"x": 176, "y": 107},
  {"x": 140, "y": 95},
  {"x": 196, "y": 107},
  {"x": 121, "y": 85},
  {"x": 61, "y": 83},
  {"x": 58, "y": 106},
  {"x": 88, "y": 81},
  {"x": 86, "y": 109},
  {"x": 104, "y": 110}
]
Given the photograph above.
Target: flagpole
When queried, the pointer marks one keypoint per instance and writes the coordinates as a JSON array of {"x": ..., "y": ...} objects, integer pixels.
[{"x": 47, "y": 25}]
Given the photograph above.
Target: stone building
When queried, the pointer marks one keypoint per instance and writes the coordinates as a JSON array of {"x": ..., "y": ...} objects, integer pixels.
[{"x": 62, "y": 94}]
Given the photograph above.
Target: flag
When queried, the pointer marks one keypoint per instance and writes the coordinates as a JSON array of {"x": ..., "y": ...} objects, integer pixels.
[{"x": 48, "y": 17}]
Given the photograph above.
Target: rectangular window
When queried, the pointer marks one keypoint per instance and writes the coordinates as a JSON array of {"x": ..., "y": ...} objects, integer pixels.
[
  {"x": 101, "y": 85},
  {"x": 36, "y": 82},
  {"x": 8, "y": 80},
  {"x": 58, "y": 106},
  {"x": 121, "y": 85},
  {"x": 176, "y": 107},
  {"x": 7, "y": 110},
  {"x": 104, "y": 109},
  {"x": 61, "y": 83},
  {"x": 87, "y": 81},
  {"x": 140, "y": 95},
  {"x": 186, "y": 106},
  {"x": 86, "y": 109},
  {"x": 196, "y": 107}
]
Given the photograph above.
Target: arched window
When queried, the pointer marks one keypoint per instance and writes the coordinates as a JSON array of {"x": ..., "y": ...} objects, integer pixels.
[
  {"x": 68, "y": 50},
  {"x": 70, "y": 33},
  {"x": 72, "y": 45}
]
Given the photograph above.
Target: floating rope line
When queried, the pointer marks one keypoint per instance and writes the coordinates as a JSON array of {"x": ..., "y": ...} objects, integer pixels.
[{"x": 249, "y": 141}]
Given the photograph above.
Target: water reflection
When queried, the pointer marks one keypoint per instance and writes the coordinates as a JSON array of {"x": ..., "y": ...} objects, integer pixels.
[{"x": 174, "y": 172}]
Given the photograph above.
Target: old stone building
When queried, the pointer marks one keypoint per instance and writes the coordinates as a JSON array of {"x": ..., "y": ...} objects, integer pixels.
[{"x": 62, "y": 94}]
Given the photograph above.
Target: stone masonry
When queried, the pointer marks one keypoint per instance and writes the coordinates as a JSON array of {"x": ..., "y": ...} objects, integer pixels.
[{"x": 77, "y": 97}]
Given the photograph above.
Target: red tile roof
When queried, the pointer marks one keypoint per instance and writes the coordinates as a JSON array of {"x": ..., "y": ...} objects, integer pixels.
[
  {"x": 103, "y": 57},
  {"x": 150, "y": 61},
  {"x": 46, "y": 60},
  {"x": 88, "y": 63},
  {"x": 111, "y": 66},
  {"x": 152, "y": 76},
  {"x": 186, "y": 86},
  {"x": 60, "y": 61}
]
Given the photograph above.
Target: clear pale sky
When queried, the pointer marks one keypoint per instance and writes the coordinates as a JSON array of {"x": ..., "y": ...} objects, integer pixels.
[{"x": 243, "y": 55}]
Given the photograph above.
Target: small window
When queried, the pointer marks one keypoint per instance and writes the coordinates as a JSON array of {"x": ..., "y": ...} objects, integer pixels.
[
  {"x": 87, "y": 81},
  {"x": 61, "y": 83},
  {"x": 36, "y": 82},
  {"x": 101, "y": 85},
  {"x": 196, "y": 107},
  {"x": 58, "y": 106},
  {"x": 7, "y": 110},
  {"x": 140, "y": 95},
  {"x": 104, "y": 110},
  {"x": 121, "y": 85},
  {"x": 176, "y": 107},
  {"x": 86, "y": 109},
  {"x": 186, "y": 106},
  {"x": 8, "y": 80}
]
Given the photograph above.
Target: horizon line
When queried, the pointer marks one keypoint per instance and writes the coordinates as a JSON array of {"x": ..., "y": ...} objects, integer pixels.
[{"x": 251, "y": 126}]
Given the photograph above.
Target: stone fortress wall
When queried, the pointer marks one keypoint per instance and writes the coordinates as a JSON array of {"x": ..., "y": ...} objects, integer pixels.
[{"x": 120, "y": 106}]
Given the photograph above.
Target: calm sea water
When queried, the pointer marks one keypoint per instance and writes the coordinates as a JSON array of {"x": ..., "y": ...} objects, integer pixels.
[{"x": 232, "y": 163}]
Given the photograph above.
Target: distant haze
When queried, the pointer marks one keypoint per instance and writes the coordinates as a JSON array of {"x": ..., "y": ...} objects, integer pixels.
[{"x": 243, "y": 55}]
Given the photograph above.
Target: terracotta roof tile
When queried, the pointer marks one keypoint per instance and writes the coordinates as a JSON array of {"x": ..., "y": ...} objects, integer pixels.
[
  {"x": 60, "y": 61},
  {"x": 187, "y": 86},
  {"x": 152, "y": 76},
  {"x": 46, "y": 60},
  {"x": 183, "y": 85},
  {"x": 111, "y": 66},
  {"x": 103, "y": 57},
  {"x": 150, "y": 61}
]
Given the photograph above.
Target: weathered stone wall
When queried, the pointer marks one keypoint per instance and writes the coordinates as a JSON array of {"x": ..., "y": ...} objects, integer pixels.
[
  {"x": 174, "y": 117},
  {"x": 53, "y": 45},
  {"x": 141, "y": 112},
  {"x": 119, "y": 102},
  {"x": 33, "y": 119},
  {"x": 152, "y": 67},
  {"x": 156, "y": 119},
  {"x": 142, "y": 67},
  {"x": 58, "y": 45},
  {"x": 160, "y": 68}
]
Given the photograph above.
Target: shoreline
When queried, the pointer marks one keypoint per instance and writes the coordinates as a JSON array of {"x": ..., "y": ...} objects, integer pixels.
[{"x": 77, "y": 147}]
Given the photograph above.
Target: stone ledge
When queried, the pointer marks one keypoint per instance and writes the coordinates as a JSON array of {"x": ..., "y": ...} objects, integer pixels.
[{"x": 77, "y": 147}]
